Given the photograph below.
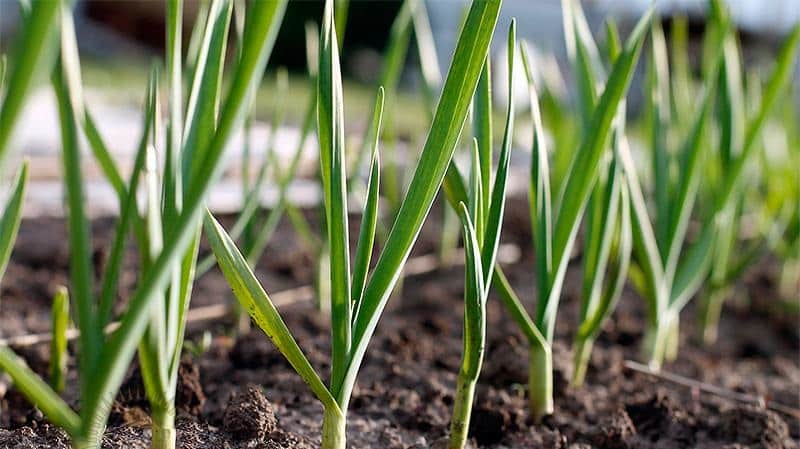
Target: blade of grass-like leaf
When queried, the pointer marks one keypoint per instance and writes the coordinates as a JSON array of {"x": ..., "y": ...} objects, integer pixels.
[
  {"x": 619, "y": 268},
  {"x": 330, "y": 123},
  {"x": 248, "y": 291},
  {"x": 12, "y": 215},
  {"x": 692, "y": 270},
  {"x": 474, "y": 340},
  {"x": 77, "y": 224},
  {"x": 196, "y": 39},
  {"x": 497, "y": 199},
  {"x": 482, "y": 124},
  {"x": 778, "y": 79},
  {"x": 260, "y": 32},
  {"x": 187, "y": 275},
  {"x": 102, "y": 155},
  {"x": 659, "y": 94},
  {"x": 539, "y": 191},
  {"x": 173, "y": 181},
  {"x": 691, "y": 153},
  {"x": 732, "y": 106},
  {"x": 681, "y": 71},
  {"x": 455, "y": 191},
  {"x": 34, "y": 54},
  {"x": 454, "y": 187},
  {"x": 576, "y": 28},
  {"x": 38, "y": 392},
  {"x": 592, "y": 241},
  {"x": 718, "y": 22},
  {"x": 587, "y": 79},
  {"x": 650, "y": 271},
  {"x": 475, "y": 205},
  {"x": 584, "y": 57},
  {"x": 613, "y": 41},
  {"x": 683, "y": 203},
  {"x": 602, "y": 231},
  {"x": 433, "y": 163},
  {"x": 369, "y": 218},
  {"x": 153, "y": 344},
  {"x": 578, "y": 187},
  {"x": 340, "y": 12},
  {"x": 201, "y": 112},
  {"x": 128, "y": 209},
  {"x": 474, "y": 297}
]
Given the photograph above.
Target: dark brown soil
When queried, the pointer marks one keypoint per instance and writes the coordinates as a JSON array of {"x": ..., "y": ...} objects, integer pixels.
[{"x": 241, "y": 393}]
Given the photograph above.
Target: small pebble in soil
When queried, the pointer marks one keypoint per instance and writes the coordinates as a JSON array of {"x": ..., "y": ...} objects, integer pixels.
[{"x": 249, "y": 415}]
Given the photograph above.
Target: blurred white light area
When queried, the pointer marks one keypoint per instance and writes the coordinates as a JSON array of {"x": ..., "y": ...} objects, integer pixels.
[{"x": 761, "y": 16}]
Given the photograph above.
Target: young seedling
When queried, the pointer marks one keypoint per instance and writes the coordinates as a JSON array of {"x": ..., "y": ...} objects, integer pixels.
[
  {"x": 733, "y": 253},
  {"x": 574, "y": 196},
  {"x": 475, "y": 293},
  {"x": 482, "y": 223},
  {"x": 555, "y": 224},
  {"x": 191, "y": 164},
  {"x": 665, "y": 274},
  {"x": 354, "y": 311},
  {"x": 607, "y": 238},
  {"x": 59, "y": 317}
]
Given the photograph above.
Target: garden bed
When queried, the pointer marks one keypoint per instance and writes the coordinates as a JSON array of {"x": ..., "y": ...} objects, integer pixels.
[{"x": 405, "y": 389}]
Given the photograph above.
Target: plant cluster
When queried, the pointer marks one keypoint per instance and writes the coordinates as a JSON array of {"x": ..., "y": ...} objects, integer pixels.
[{"x": 673, "y": 240}]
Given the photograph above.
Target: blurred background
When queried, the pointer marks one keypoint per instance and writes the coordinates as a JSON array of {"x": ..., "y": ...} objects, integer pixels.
[{"x": 118, "y": 40}]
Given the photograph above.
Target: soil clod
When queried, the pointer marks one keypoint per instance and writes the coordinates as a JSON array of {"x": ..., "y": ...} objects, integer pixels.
[{"x": 249, "y": 415}]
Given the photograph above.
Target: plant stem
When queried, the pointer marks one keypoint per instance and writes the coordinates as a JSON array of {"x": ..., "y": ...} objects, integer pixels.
[
  {"x": 163, "y": 429},
  {"x": 334, "y": 424},
  {"x": 87, "y": 443},
  {"x": 710, "y": 311},
  {"x": 540, "y": 381},
  {"x": 673, "y": 340},
  {"x": 582, "y": 349},
  {"x": 462, "y": 410},
  {"x": 655, "y": 342}
]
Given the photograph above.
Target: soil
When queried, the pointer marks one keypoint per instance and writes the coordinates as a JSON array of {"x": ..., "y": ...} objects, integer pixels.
[{"x": 241, "y": 393}]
